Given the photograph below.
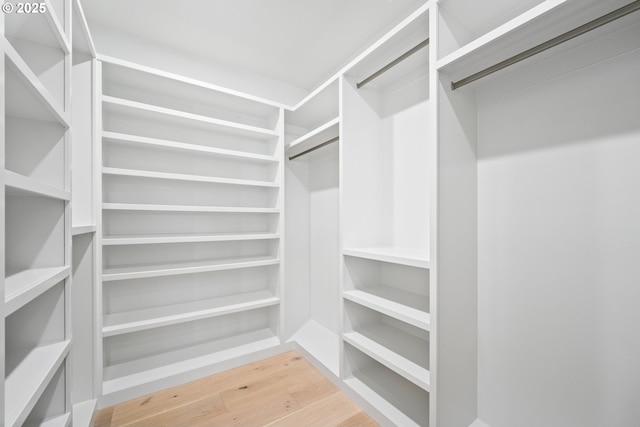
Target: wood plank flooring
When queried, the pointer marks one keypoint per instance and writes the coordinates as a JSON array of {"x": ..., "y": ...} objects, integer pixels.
[{"x": 284, "y": 390}]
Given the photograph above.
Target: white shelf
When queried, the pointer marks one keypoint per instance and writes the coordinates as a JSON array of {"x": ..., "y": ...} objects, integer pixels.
[
  {"x": 402, "y": 256},
  {"x": 396, "y": 416},
  {"x": 192, "y": 238},
  {"x": 19, "y": 183},
  {"x": 183, "y": 177},
  {"x": 112, "y": 103},
  {"x": 25, "y": 384},
  {"x": 181, "y": 146},
  {"x": 83, "y": 229},
  {"x": 381, "y": 350},
  {"x": 316, "y": 137},
  {"x": 321, "y": 343},
  {"x": 393, "y": 302},
  {"x": 162, "y": 367},
  {"x": 138, "y": 272},
  {"x": 23, "y": 287},
  {"x": 43, "y": 28},
  {"x": 63, "y": 420},
  {"x": 177, "y": 208},
  {"x": 83, "y": 413},
  {"x": 22, "y": 105},
  {"x": 132, "y": 321}
]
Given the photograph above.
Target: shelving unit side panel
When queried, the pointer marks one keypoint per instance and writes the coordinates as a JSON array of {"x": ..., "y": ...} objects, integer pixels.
[{"x": 3, "y": 246}]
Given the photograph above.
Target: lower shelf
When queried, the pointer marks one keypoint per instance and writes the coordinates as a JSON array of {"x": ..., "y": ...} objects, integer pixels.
[
  {"x": 83, "y": 413},
  {"x": 60, "y": 421},
  {"x": 25, "y": 384},
  {"x": 321, "y": 343},
  {"x": 160, "y": 367}
]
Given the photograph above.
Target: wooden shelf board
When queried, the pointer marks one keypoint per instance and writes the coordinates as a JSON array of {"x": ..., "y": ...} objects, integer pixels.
[
  {"x": 111, "y": 102},
  {"x": 379, "y": 350},
  {"x": 181, "y": 146},
  {"x": 26, "y": 96},
  {"x": 395, "y": 255},
  {"x": 315, "y": 137},
  {"x": 21, "y": 185},
  {"x": 133, "y": 321},
  {"x": 25, "y": 384},
  {"x": 63, "y": 420},
  {"x": 184, "y": 177},
  {"x": 157, "y": 270},
  {"x": 23, "y": 287},
  {"x": 178, "y": 208},
  {"x": 83, "y": 229},
  {"x": 179, "y": 362},
  {"x": 185, "y": 238},
  {"x": 393, "y": 302}
]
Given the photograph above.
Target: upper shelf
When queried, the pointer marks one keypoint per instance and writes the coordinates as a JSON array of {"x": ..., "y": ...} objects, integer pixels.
[
  {"x": 472, "y": 40},
  {"x": 318, "y": 136},
  {"x": 395, "y": 255},
  {"x": 44, "y": 27},
  {"x": 148, "y": 85},
  {"x": 21, "y": 185},
  {"x": 315, "y": 111},
  {"x": 148, "y": 111}
]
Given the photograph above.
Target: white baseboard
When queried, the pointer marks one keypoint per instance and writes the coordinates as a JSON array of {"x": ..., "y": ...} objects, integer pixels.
[{"x": 478, "y": 423}]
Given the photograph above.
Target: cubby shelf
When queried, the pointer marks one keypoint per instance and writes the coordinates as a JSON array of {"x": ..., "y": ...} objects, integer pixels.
[
  {"x": 161, "y": 367},
  {"x": 122, "y": 323},
  {"x": 63, "y": 420},
  {"x": 178, "y": 208},
  {"x": 402, "y": 256},
  {"x": 23, "y": 287},
  {"x": 20, "y": 184},
  {"x": 393, "y": 302},
  {"x": 30, "y": 99},
  {"x": 172, "y": 238},
  {"x": 138, "y": 272},
  {"x": 181, "y": 146},
  {"x": 381, "y": 349},
  {"x": 315, "y": 137},
  {"x": 83, "y": 412},
  {"x": 113, "y": 104},
  {"x": 184, "y": 177},
  {"x": 77, "y": 230},
  {"x": 44, "y": 28},
  {"x": 27, "y": 381}
]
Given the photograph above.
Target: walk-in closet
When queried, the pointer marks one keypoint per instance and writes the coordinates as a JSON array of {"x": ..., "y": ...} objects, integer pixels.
[{"x": 435, "y": 203}]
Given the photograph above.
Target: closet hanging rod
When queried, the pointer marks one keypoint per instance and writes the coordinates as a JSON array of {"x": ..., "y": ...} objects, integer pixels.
[
  {"x": 578, "y": 31},
  {"x": 393, "y": 63},
  {"x": 315, "y": 148}
]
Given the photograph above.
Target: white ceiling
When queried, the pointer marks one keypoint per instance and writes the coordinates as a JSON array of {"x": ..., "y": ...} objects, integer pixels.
[{"x": 298, "y": 42}]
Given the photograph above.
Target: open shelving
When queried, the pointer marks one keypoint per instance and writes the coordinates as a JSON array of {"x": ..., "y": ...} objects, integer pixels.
[
  {"x": 191, "y": 203},
  {"x": 26, "y": 285}
]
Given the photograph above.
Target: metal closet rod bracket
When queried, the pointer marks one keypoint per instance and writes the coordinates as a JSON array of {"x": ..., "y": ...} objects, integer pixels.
[
  {"x": 393, "y": 63},
  {"x": 585, "y": 28}
]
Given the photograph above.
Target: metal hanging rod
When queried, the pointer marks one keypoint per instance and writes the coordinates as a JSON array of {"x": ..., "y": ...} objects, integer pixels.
[
  {"x": 315, "y": 148},
  {"x": 598, "y": 22},
  {"x": 395, "y": 62}
]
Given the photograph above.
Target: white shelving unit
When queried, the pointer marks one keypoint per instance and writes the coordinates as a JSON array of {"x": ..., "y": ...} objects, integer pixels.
[
  {"x": 191, "y": 220},
  {"x": 387, "y": 161},
  {"x": 37, "y": 216}
]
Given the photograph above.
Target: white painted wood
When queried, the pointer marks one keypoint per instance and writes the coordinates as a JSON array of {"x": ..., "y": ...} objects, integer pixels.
[
  {"x": 321, "y": 343},
  {"x": 184, "y": 177},
  {"x": 402, "y": 256},
  {"x": 171, "y": 208},
  {"x": 119, "y": 104},
  {"x": 83, "y": 413},
  {"x": 23, "y": 287},
  {"x": 18, "y": 184},
  {"x": 82, "y": 41},
  {"x": 386, "y": 301},
  {"x": 478, "y": 423},
  {"x": 168, "y": 238},
  {"x": 138, "y": 272},
  {"x": 391, "y": 359},
  {"x": 58, "y": 421},
  {"x": 121, "y": 323},
  {"x": 83, "y": 229},
  {"x": 174, "y": 145},
  {"x": 26, "y": 382},
  {"x": 315, "y": 137},
  {"x": 43, "y": 28}
]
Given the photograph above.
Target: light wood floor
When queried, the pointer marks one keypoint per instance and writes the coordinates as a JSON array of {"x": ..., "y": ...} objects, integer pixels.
[{"x": 283, "y": 390}]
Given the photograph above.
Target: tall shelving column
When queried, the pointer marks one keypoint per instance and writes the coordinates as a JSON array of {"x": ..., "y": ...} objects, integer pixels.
[
  {"x": 84, "y": 182},
  {"x": 387, "y": 164},
  {"x": 37, "y": 63},
  {"x": 191, "y": 229}
]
